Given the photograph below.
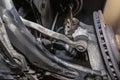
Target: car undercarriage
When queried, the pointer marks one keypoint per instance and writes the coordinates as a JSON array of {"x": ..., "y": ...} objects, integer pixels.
[{"x": 57, "y": 40}]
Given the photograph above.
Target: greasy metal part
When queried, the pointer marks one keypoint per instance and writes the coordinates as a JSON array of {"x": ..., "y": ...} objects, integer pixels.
[
  {"x": 12, "y": 59},
  {"x": 81, "y": 35},
  {"x": 64, "y": 51},
  {"x": 9, "y": 53},
  {"x": 35, "y": 53},
  {"x": 106, "y": 50},
  {"x": 73, "y": 30},
  {"x": 14, "y": 54},
  {"x": 71, "y": 24},
  {"x": 5, "y": 42},
  {"x": 94, "y": 54},
  {"x": 95, "y": 59},
  {"x": 47, "y": 32},
  {"x": 36, "y": 58},
  {"x": 53, "y": 34},
  {"x": 67, "y": 63},
  {"x": 59, "y": 62}
]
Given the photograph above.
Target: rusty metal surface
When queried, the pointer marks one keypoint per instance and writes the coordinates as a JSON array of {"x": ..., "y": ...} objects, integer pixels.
[{"x": 52, "y": 34}]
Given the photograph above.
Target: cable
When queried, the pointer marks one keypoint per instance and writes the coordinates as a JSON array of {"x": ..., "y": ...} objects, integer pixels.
[
  {"x": 54, "y": 22},
  {"x": 80, "y": 7}
]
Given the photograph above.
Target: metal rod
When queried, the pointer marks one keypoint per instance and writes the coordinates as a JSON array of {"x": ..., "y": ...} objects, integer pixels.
[
  {"x": 54, "y": 22},
  {"x": 48, "y": 32},
  {"x": 53, "y": 34}
]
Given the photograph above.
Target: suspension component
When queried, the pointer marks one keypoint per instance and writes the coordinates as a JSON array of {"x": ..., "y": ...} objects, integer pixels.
[
  {"x": 80, "y": 35},
  {"x": 53, "y": 34}
]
